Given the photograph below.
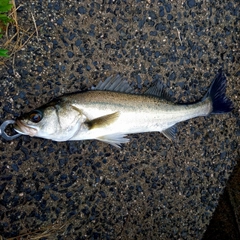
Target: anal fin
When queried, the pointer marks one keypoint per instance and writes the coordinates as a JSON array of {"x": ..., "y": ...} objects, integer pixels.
[
  {"x": 170, "y": 133},
  {"x": 115, "y": 139}
]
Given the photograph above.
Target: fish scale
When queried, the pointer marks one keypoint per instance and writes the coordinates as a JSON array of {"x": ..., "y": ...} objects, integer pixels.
[{"x": 112, "y": 110}]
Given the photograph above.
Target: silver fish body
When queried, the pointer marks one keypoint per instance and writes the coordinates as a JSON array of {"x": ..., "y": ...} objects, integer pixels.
[
  {"x": 112, "y": 111},
  {"x": 131, "y": 113}
]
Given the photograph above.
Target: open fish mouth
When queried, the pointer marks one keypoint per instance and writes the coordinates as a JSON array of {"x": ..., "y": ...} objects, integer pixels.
[{"x": 22, "y": 128}]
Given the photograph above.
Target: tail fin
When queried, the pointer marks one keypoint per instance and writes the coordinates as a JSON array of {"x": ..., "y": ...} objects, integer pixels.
[{"x": 216, "y": 92}]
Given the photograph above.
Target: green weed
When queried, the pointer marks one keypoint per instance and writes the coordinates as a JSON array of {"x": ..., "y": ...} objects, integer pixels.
[{"x": 5, "y": 6}]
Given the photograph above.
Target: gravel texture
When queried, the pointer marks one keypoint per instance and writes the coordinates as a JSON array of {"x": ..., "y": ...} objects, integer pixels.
[{"x": 151, "y": 187}]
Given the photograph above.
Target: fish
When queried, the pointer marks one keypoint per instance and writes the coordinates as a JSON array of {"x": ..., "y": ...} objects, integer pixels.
[{"x": 112, "y": 110}]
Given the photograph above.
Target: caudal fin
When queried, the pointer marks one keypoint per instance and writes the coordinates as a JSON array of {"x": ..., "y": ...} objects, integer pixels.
[{"x": 217, "y": 93}]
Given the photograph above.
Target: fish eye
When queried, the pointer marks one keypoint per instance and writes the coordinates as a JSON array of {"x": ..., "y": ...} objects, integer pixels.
[{"x": 36, "y": 116}]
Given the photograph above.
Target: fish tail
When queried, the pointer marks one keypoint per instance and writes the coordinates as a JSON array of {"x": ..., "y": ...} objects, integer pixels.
[{"x": 217, "y": 94}]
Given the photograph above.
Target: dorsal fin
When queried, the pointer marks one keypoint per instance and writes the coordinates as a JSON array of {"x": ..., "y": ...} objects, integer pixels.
[
  {"x": 116, "y": 84},
  {"x": 158, "y": 90}
]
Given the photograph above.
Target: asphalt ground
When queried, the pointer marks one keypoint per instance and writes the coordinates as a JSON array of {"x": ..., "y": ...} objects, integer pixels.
[{"x": 151, "y": 187}]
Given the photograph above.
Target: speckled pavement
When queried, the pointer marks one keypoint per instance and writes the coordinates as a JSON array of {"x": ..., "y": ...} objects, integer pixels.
[{"x": 151, "y": 188}]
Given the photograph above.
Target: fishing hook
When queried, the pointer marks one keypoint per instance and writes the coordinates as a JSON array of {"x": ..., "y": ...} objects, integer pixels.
[{"x": 4, "y": 134}]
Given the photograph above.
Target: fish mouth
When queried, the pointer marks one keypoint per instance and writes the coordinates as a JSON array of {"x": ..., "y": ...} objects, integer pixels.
[{"x": 22, "y": 128}]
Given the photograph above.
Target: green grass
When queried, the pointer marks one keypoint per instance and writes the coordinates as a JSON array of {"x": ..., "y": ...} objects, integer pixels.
[{"x": 5, "y": 6}]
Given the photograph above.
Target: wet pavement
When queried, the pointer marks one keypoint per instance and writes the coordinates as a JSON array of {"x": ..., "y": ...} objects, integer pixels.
[{"x": 151, "y": 187}]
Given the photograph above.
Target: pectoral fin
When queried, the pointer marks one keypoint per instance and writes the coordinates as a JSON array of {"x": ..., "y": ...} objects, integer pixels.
[
  {"x": 170, "y": 133},
  {"x": 102, "y": 121},
  {"x": 115, "y": 139}
]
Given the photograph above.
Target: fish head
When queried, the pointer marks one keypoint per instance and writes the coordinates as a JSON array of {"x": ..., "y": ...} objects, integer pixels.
[
  {"x": 37, "y": 123},
  {"x": 57, "y": 122}
]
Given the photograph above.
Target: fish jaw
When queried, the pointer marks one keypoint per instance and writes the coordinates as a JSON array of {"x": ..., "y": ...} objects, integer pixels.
[{"x": 22, "y": 128}]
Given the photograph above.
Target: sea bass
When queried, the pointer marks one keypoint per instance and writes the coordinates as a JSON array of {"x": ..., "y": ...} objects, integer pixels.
[{"x": 112, "y": 110}]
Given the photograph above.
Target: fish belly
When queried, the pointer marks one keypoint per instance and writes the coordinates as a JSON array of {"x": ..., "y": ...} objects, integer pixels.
[
  {"x": 129, "y": 123},
  {"x": 139, "y": 118}
]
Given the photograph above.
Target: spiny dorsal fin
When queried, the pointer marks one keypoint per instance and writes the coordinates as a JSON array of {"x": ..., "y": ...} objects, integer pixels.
[
  {"x": 116, "y": 84},
  {"x": 158, "y": 90},
  {"x": 115, "y": 139},
  {"x": 102, "y": 121},
  {"x": 170, "y": 133}
]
